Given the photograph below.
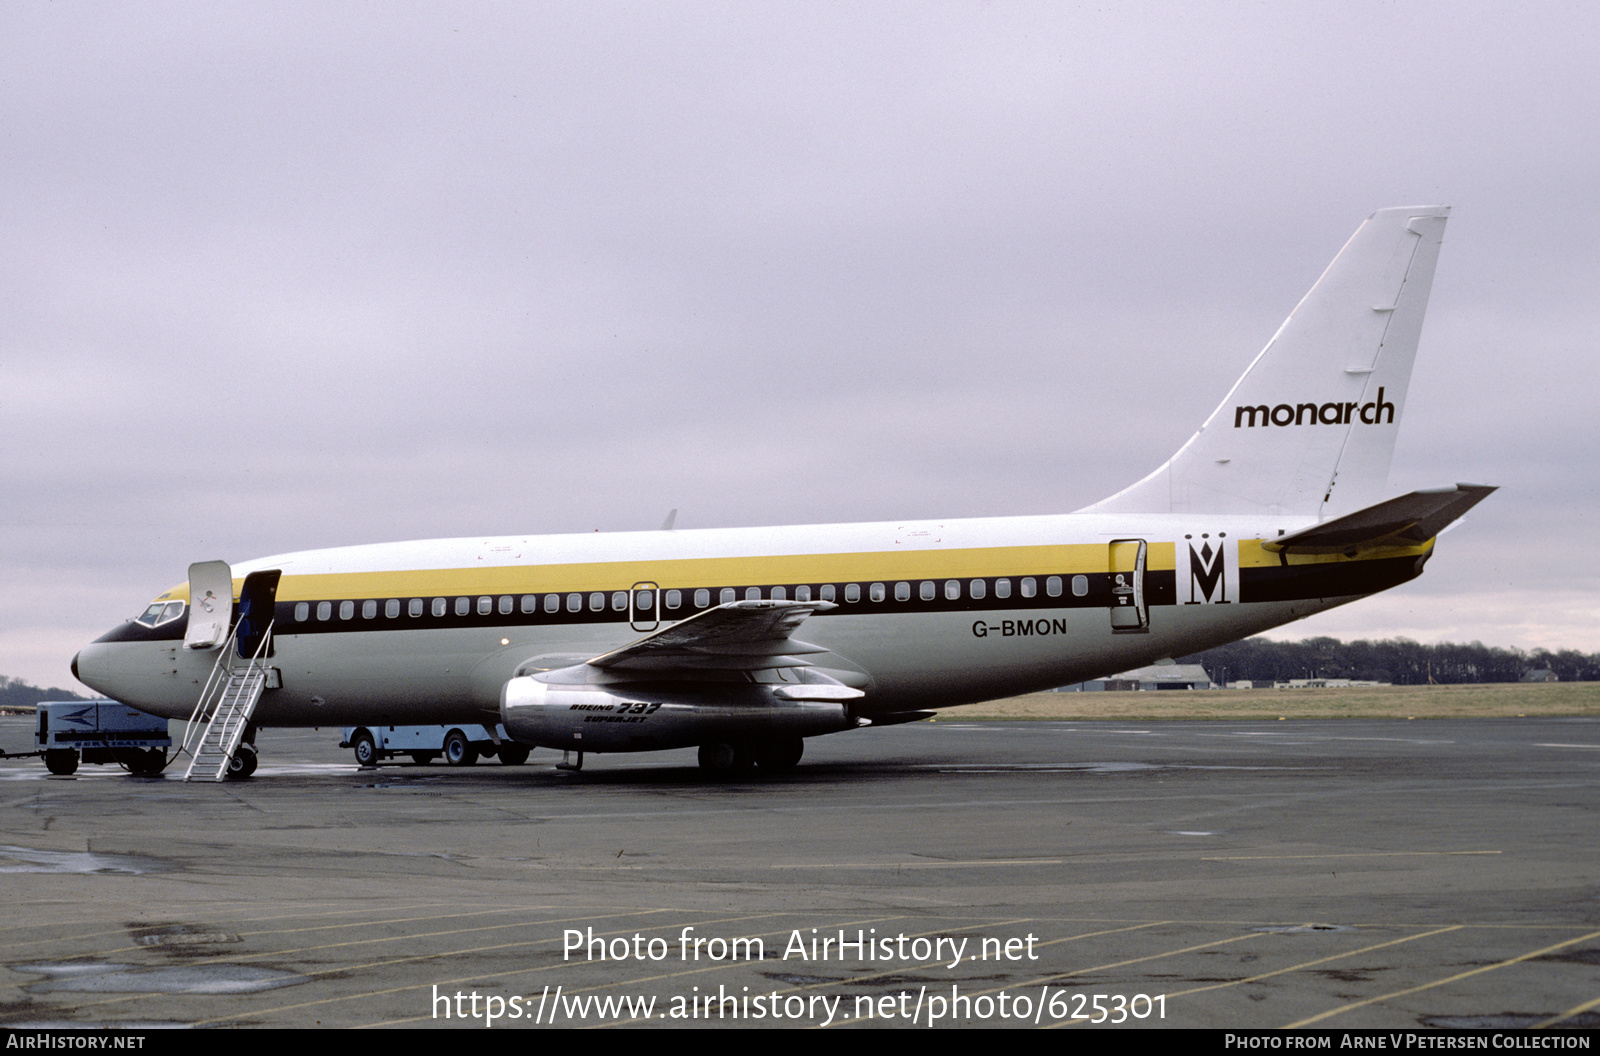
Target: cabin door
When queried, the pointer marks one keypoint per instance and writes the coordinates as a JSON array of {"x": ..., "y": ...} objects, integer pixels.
[
  {"x": 645, "y": 606},
  {"x": 210, "y": 604},
  {"x": 257, "y": 598},
  {"x": 1126, "y": 562}
]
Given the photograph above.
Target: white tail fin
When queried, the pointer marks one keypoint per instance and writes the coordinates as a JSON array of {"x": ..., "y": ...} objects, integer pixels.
[{"x": 1310, "y": 428}]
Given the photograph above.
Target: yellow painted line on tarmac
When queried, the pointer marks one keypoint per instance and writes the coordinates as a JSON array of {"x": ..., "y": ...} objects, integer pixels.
[
  {"x": 918, "y": 865},
  {"x": 1352, "y": 854},
  {"x": 1568, "y": 1014},
  {"x": 1439, "y": 982},
  {"x": 1321, "y": 960}
]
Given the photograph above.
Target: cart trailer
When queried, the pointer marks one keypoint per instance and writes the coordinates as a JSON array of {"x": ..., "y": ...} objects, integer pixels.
[{"x": 100, "y": 731}]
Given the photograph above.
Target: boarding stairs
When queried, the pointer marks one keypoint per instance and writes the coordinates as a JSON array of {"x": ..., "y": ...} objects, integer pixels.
[{"x": 222, "y": 714}]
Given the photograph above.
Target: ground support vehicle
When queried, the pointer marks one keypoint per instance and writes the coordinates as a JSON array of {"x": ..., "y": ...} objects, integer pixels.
[
  {"x": 459, "y": 744},
  {"x": 100, "y": 731}
]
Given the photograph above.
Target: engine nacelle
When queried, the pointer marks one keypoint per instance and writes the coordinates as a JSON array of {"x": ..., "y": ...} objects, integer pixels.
[{"x": 601, "y": 718}]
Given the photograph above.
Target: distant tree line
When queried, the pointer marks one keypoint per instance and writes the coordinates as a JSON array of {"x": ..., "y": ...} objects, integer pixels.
[
  {"x": 1397, "y": 660},
  {"x": 16, "y": 693}
]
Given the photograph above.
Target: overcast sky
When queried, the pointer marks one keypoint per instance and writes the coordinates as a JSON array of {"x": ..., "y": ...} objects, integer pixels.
[{"x": 294, "y": 275}]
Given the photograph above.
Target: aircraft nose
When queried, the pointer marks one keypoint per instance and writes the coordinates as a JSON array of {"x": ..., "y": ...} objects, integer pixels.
[{"x": 89, "y": 666}]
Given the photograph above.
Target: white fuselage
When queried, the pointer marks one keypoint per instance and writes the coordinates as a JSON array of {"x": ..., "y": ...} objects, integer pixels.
[{"x": 1017, "y": 604}]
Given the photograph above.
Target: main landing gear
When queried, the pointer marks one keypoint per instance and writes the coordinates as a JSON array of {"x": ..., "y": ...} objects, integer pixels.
[{"x": 775, "y": 756}]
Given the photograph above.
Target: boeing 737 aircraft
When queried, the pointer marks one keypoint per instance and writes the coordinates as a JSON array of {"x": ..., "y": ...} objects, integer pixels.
[{"x": 744, "y": 641}]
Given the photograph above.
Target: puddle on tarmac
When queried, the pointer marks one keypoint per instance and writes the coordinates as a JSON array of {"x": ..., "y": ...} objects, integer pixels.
[
  {"x": 105, "y": 977},
  {"x": 29, "y": 860}
]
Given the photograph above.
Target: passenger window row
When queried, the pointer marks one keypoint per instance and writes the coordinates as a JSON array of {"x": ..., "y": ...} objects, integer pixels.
[{"x": 675, "y": 599}]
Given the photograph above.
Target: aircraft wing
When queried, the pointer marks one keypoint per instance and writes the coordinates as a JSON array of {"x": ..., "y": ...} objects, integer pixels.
[
  {"x": 1404, "y": 521},
  {"x": 737, "y": 636}
]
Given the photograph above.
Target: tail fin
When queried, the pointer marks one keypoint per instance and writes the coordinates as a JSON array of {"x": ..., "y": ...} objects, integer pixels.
[{"x": 1310, "y": 428}]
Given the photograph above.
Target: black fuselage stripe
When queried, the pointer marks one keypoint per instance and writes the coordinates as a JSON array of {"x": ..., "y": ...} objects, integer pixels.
[{"x": 1256, "y": 585}]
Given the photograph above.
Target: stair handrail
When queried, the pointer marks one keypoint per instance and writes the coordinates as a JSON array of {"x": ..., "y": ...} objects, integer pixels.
[{"x": 217, "y": 680}]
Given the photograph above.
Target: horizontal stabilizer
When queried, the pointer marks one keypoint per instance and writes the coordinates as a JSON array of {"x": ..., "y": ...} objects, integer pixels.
[{"x": 1404, "y": 521}]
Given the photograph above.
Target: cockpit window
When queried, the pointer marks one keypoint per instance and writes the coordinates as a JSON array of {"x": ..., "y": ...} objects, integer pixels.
[{"x": 161, "y": 612}]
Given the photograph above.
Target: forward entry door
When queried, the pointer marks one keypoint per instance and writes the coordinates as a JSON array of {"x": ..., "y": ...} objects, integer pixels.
[
  {"x": 210, "y": 604},
  {"x": 257, "y": 598}
]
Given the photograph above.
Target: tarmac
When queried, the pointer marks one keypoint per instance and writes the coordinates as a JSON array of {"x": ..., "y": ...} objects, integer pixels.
[{"x": 1342, "y": 874}]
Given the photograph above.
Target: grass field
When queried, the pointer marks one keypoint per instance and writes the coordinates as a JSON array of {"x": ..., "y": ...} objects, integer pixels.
[{"x": 1499, "y": 700}]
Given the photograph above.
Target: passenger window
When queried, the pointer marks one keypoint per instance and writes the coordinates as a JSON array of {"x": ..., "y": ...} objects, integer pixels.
[
  {"x": 463, "y": 606},
  {"x": 414, "y": 606},
  {"x": 980, "y": 588},
  {"x": 645, "y": 601},
  {"x": 1080, "y": 586},
  {"x": 391, "y": 608},
  {"x": 1052, "y": 586},
  {"x": 347, "y": 609},
  {"x": 752, "y": 593},
  {"x": 441, "y": 606},
  {"x": 324, "y": 610},
  {"x": 302, "y": 611},
  {"x": 1002, "y": 588},
  {"x": 952, "y": 590},
  {"x": 485, "y": 606},
  {"x": 530, "y": 603},
  {"x": 369, "y": 609},
  {"x": 597, "y": 602},
  {"x": 574, "y": 602},
  {"x": 877, "y": 592},
  {"x": 552, "y": 603},
  {"x": 902, "y": 592},
  {"x": 728, "y": 594},
  {"x": 926, "y": 591},
  {"x": 674, "y": 599},
  {"x": 802, "y": 593},
  {"x": 827, "y": 592},
  {"x": 507, "y": 603},
  {"x": 1029, "y": 588},
  {"x": 619, "y": 601},
  {"x": 779, "y": 594},
  {"x": 852, "y": 592},
  {"x": 702, "y": 598}
]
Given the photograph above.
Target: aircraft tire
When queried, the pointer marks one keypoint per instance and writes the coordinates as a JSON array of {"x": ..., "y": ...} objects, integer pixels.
[
  {"x": 365, "y": 748},
  {"x": 242, "y": 763},
  {"x": 781, "y": 755},
  {"x": 513, "y": 754},
  {"x": 722, "y": 759},
  {"x": 717, "y": 758},
  {"x": 458, "y": 751},
  {"x": 61, "y": 761}
]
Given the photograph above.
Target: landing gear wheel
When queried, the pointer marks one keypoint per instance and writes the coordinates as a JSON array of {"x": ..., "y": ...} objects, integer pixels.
[
  {"x": 242, "y": 763},
  {"x": 513, "y": 754},
  {"x": 61, "y": 761},
  {"x": 458, "y": 751},
  {"x": 423, "y": 758},
  {"x": 725, "y": 760},
  {"x": 779, "y": 756},
  {"x": 149, "y": 762},
  {"x": 366, "y": 749}
]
